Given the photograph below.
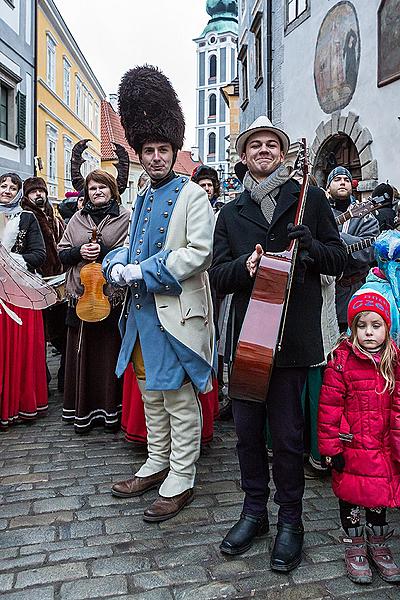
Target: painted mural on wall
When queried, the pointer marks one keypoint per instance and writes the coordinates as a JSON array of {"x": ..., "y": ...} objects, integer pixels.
[
  {"x": 337, "y": 57},
  {"x": 388, "y": 41}
]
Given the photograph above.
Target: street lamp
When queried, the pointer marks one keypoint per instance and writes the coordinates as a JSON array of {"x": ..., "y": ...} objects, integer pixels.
[{"x": 221, "y": 173}]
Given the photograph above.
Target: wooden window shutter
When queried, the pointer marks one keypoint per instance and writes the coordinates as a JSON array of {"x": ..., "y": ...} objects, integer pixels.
[{"x": 21, "y": 120}]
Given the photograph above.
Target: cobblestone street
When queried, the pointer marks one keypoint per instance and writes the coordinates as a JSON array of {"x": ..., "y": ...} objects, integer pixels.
[{"x": 63, "y": 536}]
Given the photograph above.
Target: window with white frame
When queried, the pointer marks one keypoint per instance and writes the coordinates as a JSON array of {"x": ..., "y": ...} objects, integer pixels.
[
  {"x": 96, "y": 118},
  {"x": 12, "y": 108},
  {"x": 212, "y": 144},
  {"x": 67, "y": 163},
  {"x": 256, "y": 28},
  {"x": 212, "y": 106},
  {"x": 90, "y": 116},
  {"x": 295, "y": 8},
  {"x": 85, "y": 101},
  {"x": 78, "y": 95},
  {"x": 212, "y": 69},
  {"x": 51, "y": 62},
  {"x": 51, "y": 163},
  {"x": 66, "y": 81},
  {"x": 244, "y": 77},
  {"x": 4, "y": 111},
  {"x": 91, "y": 163}
]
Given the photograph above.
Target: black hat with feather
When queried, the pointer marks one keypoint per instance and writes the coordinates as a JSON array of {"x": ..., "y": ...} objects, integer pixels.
[{"x": 150, "y": 109}]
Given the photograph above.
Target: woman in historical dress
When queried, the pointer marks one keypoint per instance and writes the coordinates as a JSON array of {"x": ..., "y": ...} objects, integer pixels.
[
  {"x": 23, "y": 383},
  {"x": 92, "y": 392}
]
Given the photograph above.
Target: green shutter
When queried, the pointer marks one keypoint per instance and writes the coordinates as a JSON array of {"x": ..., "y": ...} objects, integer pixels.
[{"x": 21, "y": 120}]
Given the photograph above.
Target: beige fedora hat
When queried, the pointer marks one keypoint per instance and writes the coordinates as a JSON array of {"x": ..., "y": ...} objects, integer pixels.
[{"x": 262, "y": 123}]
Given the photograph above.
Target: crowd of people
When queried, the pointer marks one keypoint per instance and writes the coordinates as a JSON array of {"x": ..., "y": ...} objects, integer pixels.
[{"x": 167, "y": 308}]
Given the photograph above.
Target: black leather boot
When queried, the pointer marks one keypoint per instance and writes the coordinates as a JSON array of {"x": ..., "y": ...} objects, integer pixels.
[
  {"x": 240, "y": 537},
  {"x": 286, "y": 554}
]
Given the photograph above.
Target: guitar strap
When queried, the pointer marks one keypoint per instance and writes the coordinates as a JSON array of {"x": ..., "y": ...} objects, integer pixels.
[{"x": 345, "y": 227}]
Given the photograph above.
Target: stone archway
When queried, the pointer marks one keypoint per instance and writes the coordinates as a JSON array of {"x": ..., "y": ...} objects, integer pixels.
[
  {"x": 338, "y": 149},
  {"x": 340, "y": 128}
]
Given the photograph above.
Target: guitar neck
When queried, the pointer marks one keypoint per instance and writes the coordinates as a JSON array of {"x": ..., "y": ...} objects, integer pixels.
[
  {"x": 343, "y": 217},
  {"x": 367, "y": 243}
]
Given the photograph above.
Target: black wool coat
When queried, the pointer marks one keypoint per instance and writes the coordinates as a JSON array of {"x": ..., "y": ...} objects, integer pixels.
[
  {"x": 240, "y": 226},
  {"x": 30, "y": 242}
]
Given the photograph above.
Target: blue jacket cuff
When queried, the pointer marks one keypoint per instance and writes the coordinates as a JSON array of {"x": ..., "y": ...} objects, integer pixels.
[
  {"x": 157, "y": 277},
  {"x": 118, "y": 256}
]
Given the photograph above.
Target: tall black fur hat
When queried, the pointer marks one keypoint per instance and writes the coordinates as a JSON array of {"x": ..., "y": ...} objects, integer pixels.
[{"x": 150, "y": 109}]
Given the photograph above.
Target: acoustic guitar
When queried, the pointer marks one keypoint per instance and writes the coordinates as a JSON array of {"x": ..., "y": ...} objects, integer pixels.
[{"x": 260, "y": 337}]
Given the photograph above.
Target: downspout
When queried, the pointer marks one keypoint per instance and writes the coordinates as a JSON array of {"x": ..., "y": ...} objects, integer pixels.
[
  {"x": 35, "y": 11},
  {"x": 269, "y": 61}
]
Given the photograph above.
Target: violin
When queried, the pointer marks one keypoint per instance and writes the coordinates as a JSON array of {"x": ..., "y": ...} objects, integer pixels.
[{"x": 93, "y": 305}]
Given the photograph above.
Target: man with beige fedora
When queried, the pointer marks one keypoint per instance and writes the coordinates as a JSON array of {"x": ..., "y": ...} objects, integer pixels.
[{"x": 261, "y": 219}]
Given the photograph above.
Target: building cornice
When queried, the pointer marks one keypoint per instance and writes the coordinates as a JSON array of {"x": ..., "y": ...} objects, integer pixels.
[{"x": 54, "y": 16}]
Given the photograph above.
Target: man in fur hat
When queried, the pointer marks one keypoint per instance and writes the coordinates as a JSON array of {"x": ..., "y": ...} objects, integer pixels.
[
  {"x": 167, "y": 323},
  {"x": 36, "y": 200},
  {"x": 262, "y": 219},
  {"x": 207, "y": 178}
]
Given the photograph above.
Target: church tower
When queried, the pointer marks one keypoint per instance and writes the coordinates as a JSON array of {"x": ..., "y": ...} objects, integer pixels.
[{"x": 216, "y": 67}]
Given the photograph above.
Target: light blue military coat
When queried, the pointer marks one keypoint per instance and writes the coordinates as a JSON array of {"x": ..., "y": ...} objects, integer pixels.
[{"x": 170, "y": 309}]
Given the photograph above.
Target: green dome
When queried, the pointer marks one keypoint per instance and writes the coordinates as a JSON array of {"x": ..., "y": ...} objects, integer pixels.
[
  {"x": 225, "y": 7},
  {"x": 224, "y": 16}
]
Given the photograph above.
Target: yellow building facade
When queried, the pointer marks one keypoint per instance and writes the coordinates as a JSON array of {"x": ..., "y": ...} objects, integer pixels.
[{"x": 68, "y": 102}]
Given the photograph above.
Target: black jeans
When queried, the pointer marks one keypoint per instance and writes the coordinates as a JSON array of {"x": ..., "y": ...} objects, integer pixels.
[{"x": 286, "y": 424}]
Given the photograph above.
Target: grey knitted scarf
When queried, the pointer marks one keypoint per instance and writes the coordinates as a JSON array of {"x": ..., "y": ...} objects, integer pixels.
[{"x": 265, "y": 192}]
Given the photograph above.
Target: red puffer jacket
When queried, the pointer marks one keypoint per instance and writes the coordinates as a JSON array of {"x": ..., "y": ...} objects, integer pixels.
[{"x": 362, "y": 424}]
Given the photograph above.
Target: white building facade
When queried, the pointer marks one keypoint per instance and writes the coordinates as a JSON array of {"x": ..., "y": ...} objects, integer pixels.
[
  {"x": 17, "y": 85},
  {"x": 335, "y": 80},
  {"x": 216, "y": 66}
]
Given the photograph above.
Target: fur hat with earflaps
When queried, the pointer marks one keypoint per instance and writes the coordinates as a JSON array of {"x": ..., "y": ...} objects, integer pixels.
[{"x": 150, "y": 109}]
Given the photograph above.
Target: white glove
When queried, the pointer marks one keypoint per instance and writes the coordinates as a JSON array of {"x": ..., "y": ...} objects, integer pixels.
[
  {"x": 117, "y": 274},
  {"x": 132, "y": 273}
]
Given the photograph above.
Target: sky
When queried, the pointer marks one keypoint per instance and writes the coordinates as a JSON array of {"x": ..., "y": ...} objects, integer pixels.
[{"x": 116, "y": 35}]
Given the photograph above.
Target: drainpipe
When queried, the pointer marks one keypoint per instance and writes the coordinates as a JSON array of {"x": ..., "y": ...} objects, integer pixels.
[
  {"x": 35, "y": 11},
  {"x": 269, "y": 61}
]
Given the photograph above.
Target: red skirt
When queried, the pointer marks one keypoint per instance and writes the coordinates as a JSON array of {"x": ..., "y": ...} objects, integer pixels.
[
  {"x": 23, "y": 382},
  {"x": 133, "y": 421}
]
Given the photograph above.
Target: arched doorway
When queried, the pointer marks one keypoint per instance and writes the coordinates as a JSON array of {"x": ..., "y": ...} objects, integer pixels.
[{"x": 340, "y": 150}]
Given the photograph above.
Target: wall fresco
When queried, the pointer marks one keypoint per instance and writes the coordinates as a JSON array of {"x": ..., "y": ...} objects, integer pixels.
[{"x": 337, "y": 57}]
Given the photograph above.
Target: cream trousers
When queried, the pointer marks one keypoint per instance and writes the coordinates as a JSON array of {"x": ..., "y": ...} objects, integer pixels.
[{"x": 173, "y": 421}]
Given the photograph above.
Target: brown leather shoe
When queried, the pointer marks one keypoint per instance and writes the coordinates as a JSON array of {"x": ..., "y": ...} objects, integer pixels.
[
  {"x": 166, "y": 508},
  {"x": 138, "y": 485}
]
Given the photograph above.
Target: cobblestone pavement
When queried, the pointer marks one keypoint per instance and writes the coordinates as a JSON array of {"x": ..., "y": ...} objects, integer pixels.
[{"x": 63, "y": 536}]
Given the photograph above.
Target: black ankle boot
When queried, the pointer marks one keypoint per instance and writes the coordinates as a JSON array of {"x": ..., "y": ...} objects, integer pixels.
[
  {"x": 286, "y": 554},
  {"x": 240, "y": 537}
]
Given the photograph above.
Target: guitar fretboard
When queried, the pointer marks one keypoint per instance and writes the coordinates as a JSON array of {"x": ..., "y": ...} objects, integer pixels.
[{"x": 360, "y": 245}]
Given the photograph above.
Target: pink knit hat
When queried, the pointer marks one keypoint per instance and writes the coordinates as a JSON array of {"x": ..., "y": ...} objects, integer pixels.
[{"x": 368, "y": 301}]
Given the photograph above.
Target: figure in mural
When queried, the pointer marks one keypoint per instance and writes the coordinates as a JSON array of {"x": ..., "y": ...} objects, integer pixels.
[
  {"x": 350, "y": 57},
  {"x": 337, "y": 57}
]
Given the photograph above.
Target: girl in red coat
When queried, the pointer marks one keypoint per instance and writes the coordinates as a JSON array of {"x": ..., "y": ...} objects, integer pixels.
[{"x": 359, "y": 433}]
